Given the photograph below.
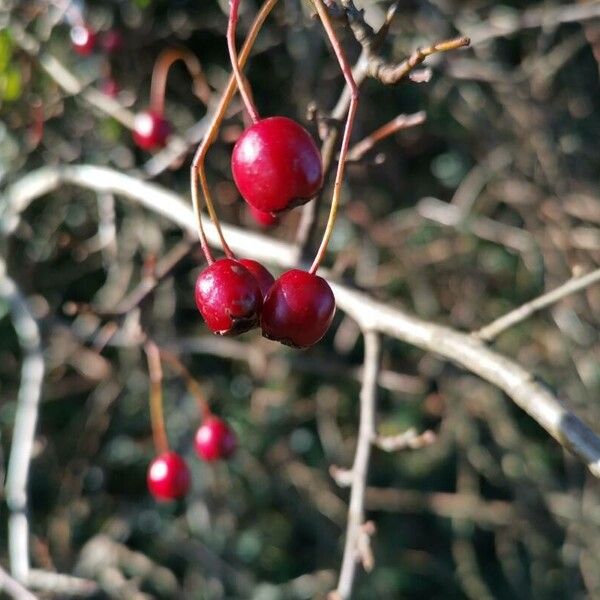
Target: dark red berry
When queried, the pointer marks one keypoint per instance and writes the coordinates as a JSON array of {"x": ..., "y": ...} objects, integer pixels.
[
  {"x": 215, "y": 440},
  {"x": 228, "y": 297},
  {"x": 150, "y": 130},
  {"x": 276, "y": 165},
  {"x": 168, "y": 477},
  {"x": 83, "y": 39},
  {"x": 298, "y": 309},
  {"x": 264, "y": 219},
  {"x": 111, "y": 41},
  {"x": 110, "y": 87},
  {"x": 263, "y": 277}
]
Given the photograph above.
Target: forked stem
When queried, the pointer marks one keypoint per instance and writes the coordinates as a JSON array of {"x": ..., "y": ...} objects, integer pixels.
[
  {"x": 339, "y": 176},
  {"x": 192, "y": 385},
  {"x": 197, "y": 169},
  {"x": 159, "y": 433},
  {"x": 160, "y": 73},
  {"x": 242, "y": 82}
]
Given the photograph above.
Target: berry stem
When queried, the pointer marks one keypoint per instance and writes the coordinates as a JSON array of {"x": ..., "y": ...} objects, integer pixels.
[
  {"x": 339, "y": 176},
  {"x": 192, "y": 385},
  {"x": 159, "y": 433},
  {"x": 242, "y": 82},
  {"x": 197, "y": 169},
  {"x": 160, "y": 73}
]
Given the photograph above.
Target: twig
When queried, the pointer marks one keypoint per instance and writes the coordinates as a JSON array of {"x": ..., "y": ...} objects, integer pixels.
[
  {"x": 13, "y": 588},
  {"x": 463, "y": 349},
  {"x": 32, "y": 376},
  {"x": 535, "y": 17},
  {"x": 396, "y": 124},
  {"x": 410, "y": 439},
  {"x": 576, "y": 284},
  {"x": 366, "y": 431}
]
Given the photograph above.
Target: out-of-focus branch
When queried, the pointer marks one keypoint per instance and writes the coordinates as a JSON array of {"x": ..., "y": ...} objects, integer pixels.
[
  {"x": 532, "y": 18},
  {"x": 13, "y": 588},
  {"x": 356, "y": 547},
  {"x": 32, "y": 375},
  {"x": 576, "y": 284},
  {"x": 409, "y": 440},
  {"x": 461, "y": 348}
]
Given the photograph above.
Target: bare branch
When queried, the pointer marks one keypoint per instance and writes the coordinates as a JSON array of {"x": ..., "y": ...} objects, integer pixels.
[
  {"x": 355, "y": 547},
  {"x": 576, "y": 284},
  {"x": 463, "y": 349},
  {"x": 13, "y": 588},
  {"x": 410, "y": 439},
  {"x": 32, "y": 376}
]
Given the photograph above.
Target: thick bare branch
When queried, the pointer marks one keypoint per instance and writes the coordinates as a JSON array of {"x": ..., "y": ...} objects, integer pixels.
[{"x": 461, "y": 348}]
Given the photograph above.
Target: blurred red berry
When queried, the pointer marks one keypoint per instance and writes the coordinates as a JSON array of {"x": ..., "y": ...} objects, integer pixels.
[
  {"x": 111, "y": 41},
  {"x": 264, "y": 219},
  {"x": 150, "y": 130},
  {"x": 83, "y": 39},
  {"x": 168, "y": 477},
  {"x": 215, "y": 440},
  {"x": 110, "y": 87}
]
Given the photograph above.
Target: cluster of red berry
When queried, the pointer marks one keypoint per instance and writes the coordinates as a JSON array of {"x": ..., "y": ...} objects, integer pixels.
[{"x": 169, "y": 476}]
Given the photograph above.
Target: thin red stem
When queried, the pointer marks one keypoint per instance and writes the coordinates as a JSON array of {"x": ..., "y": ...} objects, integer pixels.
[
  {"x": 339, "y": 177},
  {"x": 197, "y": 169},
  {"x": 160, "y": 72},
  {"x": 159, "y": 433},
  {"x": 242, "y": 83}
]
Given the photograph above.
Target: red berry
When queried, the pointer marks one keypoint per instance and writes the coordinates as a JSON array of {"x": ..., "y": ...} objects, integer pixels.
[
  {"x": 263, "y": 277},
  {"x": 111, "y": 41},
  {"x": 276, "y": 165},
  {"x": 83, "y": 39},
  {"x": 168, "y": 477},
  {"x": 228, "y": 297},
  {"x": 298, "y": 309},
  {"x": 215, "y": 440},
  {"x": 150, "y": 130},
  {"x": 264, "y": 219}
]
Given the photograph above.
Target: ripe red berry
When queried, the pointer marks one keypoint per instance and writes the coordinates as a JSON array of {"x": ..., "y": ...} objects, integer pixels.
[
  {"x": 264, "y": 219},
  {"x": 263, "y": 277},
  {"x": 215, "y": 440},
  {"x": 168, "y": 477},
  {"x": 276, "y": 165},
  {"x": 228, "y": 297},
  {"x": 150, "y": 130},
  {"x": 298, "y": 309},
  {"x": 111, "y": 41},
  {"x": 83, "y": 39}
]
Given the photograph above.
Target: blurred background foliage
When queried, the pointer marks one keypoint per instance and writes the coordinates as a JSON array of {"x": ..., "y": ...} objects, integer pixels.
[{"x": 488, "y": 204}]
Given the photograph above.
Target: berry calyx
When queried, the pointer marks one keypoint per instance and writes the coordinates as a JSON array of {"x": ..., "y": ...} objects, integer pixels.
[
  {"x": 298, "y": 309},
  {"x": 215, "y": 439},
  {"x": 263, "y": 277},
  {"x": 168, "y": 477},
  {"x": 150, "y": 130},
  {"x": 263, "y": 219},
  {"x": 83, "y": 39},
  {"x": 228, "y": 296},
  {"x": 276, "y": 165}
]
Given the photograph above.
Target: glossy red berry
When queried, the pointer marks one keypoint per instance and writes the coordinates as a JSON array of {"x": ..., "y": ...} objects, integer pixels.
[
  {"x": 263, "y": 219},
  {"x": 150, "y": 130},
  {"x": 83, "y": 39},
  {"x": 168, "y": 477},
  {"x": 298, "y": 309},
  {"x": 111, "y": 41},
  {"x": 263, "y": 277},
  {"x": 228, "y": 297},
  {"x": 276, "y": 165},
  {"x": 215, "y": 439}
]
